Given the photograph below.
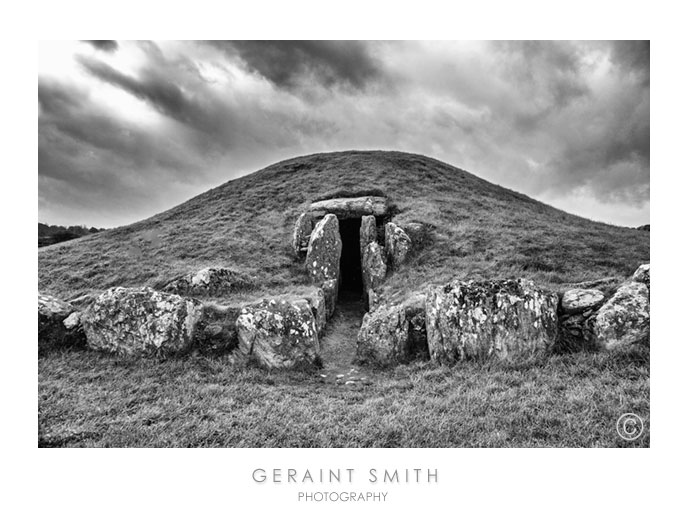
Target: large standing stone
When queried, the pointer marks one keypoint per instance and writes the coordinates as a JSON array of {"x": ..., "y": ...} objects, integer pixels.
[
  {"x": 211, "y": 281},
  {"x": 643, "y": 275},
  {"x": 397, "y": 244},
  {"x": 351, "y": 207},
  {"x": 325, "y": 247},
  {"x": 279, "y": 334},
  {"x": 391, "y": 335},
  {"x": 578, "y": 300},
  {"x": 368, "y": 233},
  {"x": 301, "y": 234},
  {"x": 482, "y": 319},
  {"x": 58, "y": 325},
  {"x": 141, "y": 321},
  {"x": 624, "y": 319},
  {"x": 373, "y": 267}
]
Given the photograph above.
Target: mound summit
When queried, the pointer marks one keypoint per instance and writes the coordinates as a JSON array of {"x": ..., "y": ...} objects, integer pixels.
[{"x": 461, "y": 227}]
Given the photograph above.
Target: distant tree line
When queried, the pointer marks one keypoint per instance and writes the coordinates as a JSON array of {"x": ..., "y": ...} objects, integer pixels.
[{"x": 50, "y": 234}]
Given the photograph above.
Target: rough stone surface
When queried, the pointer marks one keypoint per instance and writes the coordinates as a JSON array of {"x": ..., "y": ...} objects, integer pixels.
[
  {"x": 216, "y": 330},
  {"x": 483, "y": 319},
  {"x": 330, "y": 288},
  {"x": 578, "y": 300},
  {"x": 325, "y": 248},
  {"x": 397, "y": 244},
  {"x": 141, "y": 321},
  {"x": 211, "y": 281},
  {"x": 316, "y": 300},
  {"x": 643, "y": 275},
  {"x": 368, "y": 233},
  {"x": 350, "y": 207},
  {"x": 83, "y": 301},
  {"x": 391, "y": 335},
  {"x": 301, "y": 234},
  {"x": 373, "y": 267},
  {"x": 58, "y": 325},
  {"x": 603, "y": 284},
  {"x": 279, "y": 334},
  {"x": 576, "y": 332},
  {"x": 624, "y": 319}
]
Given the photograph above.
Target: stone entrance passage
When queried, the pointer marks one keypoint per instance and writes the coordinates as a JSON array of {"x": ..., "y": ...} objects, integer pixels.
[
  {"x": 343, "y": 242},
  {"x": 351, "y": 286}
]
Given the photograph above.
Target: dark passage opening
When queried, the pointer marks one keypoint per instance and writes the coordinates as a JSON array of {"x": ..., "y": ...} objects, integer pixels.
[{"x": 351, "y": 284}]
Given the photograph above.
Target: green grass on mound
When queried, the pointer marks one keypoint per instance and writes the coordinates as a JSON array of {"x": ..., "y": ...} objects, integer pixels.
[
  {"x": 475, "y": 229},
  {"x": 93, "y": 400}
]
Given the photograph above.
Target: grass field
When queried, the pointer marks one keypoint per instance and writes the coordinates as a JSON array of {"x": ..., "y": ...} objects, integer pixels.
[
  {"x": 472, "y": 229},
  {"x": 93, "y": 400}
]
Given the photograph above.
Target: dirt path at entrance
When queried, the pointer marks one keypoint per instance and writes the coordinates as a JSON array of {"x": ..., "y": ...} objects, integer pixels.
[{"x": 338, "y": 346}]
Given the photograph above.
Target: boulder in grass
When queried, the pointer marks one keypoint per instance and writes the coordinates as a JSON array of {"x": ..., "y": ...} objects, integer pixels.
[
  {"x": 325, "y": 248},
  {"x": 391, "y": 335},
  {"x": 486, "y": 319},
  {"x": 579, "y": 300},
  {"x": 211, "y": 281},
  {"x": 141, "y": 321},
  {"x": 624, "y": 320},
  {"x": 397, "y": 244},
  {"x": 643, "y": 275},
  {"x": 59, "y": 326},
  {"x": 279, "y": 334}
]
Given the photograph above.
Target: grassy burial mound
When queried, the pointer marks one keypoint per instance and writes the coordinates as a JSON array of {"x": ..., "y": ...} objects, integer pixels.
[
  {"x": 469, "y": 228},
  {"x": 430, "y": 229}
]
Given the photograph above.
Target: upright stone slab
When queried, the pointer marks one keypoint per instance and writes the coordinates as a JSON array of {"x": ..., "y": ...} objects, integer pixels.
[
  {"x": 373, "y": 267},
  {"x": 483, "y": 319},
  {"x": 397, "y": 244},
  {"x": 303, "y": 228},
  {"x": 279, "y": 334},
  {"x": 624, "y": 320},
  {"x": 316, "y": 299},
  {"x": 325, "y": 248},
  {"x": 368, "y": 233},
  {"x": 141, "y": 321},
  {"x": 330, "y": 288}
]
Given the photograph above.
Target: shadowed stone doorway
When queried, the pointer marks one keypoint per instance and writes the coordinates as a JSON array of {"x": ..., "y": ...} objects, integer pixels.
[{"x": 351, "y": 282}]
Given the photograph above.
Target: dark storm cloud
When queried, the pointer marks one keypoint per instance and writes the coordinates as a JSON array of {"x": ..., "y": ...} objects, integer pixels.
[
  {"x": 285, "y": 63},
  {"x": 633, "y": 56},
  {"x": 555, "y": 120},
  {"x": 104, "y": 45},
  {"x": 69, "y": 117},
  {"x": 166, "y": 96}
]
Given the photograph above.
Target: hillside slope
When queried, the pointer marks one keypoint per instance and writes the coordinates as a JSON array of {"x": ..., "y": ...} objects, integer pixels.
[{"x": 473, "y": 228}]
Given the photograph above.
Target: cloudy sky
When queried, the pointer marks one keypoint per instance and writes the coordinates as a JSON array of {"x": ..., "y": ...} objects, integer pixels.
[{"x": 129, "y": 129}]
